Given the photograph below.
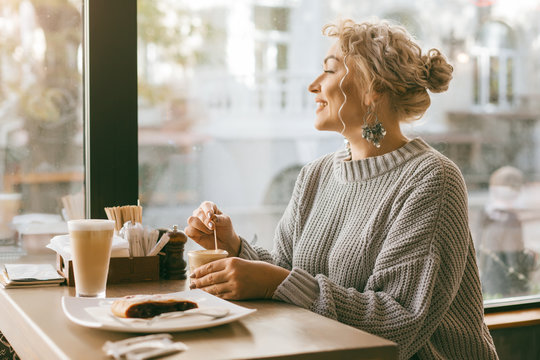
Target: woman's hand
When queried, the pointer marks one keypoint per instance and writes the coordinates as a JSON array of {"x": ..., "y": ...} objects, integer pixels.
[
  {"x": 202, "y": 223},
  {"x": 238, "y": 279}
]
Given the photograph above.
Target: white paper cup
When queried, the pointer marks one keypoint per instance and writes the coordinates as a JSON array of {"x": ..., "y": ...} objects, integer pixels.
[
  {"x": 91, "y": 242},
  {"x": 198, "y": 258}
]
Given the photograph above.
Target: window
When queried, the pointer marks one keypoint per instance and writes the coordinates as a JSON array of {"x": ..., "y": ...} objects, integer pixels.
[
  {"x": 192, "y": 101},
  {"x": 271, "y": 18},
  {"x": 233, "y": 121},
  {"x": 41, "y": 152},
  {"x": 51, "y": 161},
  {"x": 495, "y": 51}
]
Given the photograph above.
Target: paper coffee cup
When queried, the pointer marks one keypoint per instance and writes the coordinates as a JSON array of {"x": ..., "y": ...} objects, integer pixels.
[{"x": 198, "y": 258}]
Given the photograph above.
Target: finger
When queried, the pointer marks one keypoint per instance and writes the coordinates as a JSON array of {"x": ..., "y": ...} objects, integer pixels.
[
  {"x": 205, "y": 215},
  {"x": 198, "y": 212},
  {"x": 209, "y": 209},
  {"x": 209, "y": 268},
  {"x": 202, "y": 215},
  {"x": 191, "y": 232},
  {"x": 221, "y": 220},
  {"x": 197, "y": 235},
  {"x": 218, "y": 290},
  {"x": 229, "y": 295},
  {"x": 197, "y": 224},
  {"x": 209, "y": 279}
]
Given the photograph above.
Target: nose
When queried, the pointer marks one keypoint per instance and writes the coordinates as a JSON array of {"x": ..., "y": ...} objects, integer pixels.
[{"x": 315, "y": 87}]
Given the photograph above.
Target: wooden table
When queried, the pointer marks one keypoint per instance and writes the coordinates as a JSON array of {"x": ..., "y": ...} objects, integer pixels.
[{"x": 33, "y": 322}]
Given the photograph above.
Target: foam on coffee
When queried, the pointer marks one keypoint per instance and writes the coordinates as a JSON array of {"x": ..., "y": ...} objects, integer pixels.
[{"x": 90, "y": 224}]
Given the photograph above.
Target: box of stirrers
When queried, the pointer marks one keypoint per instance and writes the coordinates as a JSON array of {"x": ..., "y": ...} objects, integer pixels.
[
  {"x": 121, "y": 269},
  {"x": 139, "y": 260}
]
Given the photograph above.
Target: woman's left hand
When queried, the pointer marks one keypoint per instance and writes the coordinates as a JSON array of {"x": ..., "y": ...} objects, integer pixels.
[{"x": 236, "y": 279}]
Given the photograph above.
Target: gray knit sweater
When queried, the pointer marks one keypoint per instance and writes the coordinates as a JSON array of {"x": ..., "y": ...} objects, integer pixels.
[{"x": 383, "y": 244}]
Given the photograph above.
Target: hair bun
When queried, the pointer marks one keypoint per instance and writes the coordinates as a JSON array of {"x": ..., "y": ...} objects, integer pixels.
[{"x": 438, "y": 71}]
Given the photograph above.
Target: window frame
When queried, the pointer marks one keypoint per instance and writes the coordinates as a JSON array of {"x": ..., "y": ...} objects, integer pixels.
[
  {"x": 110, "y": 104},
  {"x": 482, "y": 77}
]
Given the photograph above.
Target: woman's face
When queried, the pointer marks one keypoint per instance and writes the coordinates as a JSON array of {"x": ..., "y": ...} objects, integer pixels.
[{"x": 329, "y": 97}]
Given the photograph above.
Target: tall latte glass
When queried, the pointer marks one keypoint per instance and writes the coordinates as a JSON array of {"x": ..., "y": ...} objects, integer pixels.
[{"x": 91, "y": 242}]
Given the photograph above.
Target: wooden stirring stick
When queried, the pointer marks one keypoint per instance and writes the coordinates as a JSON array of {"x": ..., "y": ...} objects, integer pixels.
[{"x": 215, "y": 237}]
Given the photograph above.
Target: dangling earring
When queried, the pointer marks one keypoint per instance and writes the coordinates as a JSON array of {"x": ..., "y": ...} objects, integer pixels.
[
  {"x": 375, "y": 133},
  {"x": 348, "y": 148}
]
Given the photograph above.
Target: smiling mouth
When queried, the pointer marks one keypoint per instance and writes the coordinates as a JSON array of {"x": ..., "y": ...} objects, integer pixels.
[{"x": 321, "y": 105}]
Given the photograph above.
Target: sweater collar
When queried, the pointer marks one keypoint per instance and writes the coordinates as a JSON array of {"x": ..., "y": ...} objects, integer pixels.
[{"x": 364, "y": 169}]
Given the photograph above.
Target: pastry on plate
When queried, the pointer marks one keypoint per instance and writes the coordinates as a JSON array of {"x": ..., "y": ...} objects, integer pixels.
[{"x": 147, "y": 306}]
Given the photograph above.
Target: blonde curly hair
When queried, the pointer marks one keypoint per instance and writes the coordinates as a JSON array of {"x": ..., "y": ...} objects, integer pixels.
[{"x": 391, "y": 64}]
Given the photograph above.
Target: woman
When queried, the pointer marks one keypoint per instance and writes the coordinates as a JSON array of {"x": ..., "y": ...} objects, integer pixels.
[{"x": 376, "y": 235}]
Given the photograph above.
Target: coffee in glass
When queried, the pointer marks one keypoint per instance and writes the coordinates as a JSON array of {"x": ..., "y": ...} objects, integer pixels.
[{"x": 91, "y": 242}]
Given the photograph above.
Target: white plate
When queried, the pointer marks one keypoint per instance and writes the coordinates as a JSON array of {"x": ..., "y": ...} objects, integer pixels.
[{"x": 96, "y": 313}]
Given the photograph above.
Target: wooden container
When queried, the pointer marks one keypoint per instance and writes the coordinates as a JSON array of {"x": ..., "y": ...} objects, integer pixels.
[
  {"x": 173, "y": 265},
  {"x": 121, "y": 269}
]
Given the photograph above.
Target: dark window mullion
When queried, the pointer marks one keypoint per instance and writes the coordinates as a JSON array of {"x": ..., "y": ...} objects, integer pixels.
[{"x": 110, "y": 103}]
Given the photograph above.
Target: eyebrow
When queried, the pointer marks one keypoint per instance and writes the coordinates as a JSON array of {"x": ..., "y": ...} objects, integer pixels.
[{"x": 330, "y": 57}]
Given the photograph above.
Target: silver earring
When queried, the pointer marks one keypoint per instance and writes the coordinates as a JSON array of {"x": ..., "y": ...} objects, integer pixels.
[
  {"x": 348, "y": 148},
  {"x": 375, "y": 133}
]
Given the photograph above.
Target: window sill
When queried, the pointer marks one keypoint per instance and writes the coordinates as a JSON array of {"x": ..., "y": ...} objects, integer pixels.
[{"x": 513, "y": 318}]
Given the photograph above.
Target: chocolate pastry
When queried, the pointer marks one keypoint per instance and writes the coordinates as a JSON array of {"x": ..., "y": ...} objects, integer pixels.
[{"x": 147, "y": 306}]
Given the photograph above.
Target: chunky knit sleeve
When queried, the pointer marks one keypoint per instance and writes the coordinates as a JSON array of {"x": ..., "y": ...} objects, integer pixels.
[
  {"x": 416, "y": 273},
  {"x": 281, "y": 254}
]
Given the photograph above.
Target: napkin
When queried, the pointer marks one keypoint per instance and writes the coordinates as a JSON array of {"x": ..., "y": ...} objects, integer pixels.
[
  {"x": 61, "y": 245},
  {"x": 32, "y": 272},
  {"x": 24, "y": 275}
]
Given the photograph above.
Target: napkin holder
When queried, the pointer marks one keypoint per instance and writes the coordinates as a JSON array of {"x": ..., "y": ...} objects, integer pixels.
[{"x": 121, "y": 269}]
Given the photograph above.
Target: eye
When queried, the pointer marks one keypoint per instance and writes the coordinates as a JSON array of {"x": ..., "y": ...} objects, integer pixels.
[{"x": 329, "y": 71}]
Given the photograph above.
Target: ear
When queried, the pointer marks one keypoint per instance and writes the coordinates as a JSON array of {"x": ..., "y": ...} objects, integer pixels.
[{"x": 371, "y": 98}]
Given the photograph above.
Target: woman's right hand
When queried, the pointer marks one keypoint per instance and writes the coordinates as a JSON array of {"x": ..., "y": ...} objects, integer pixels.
[{"x": 202, "y": 223}]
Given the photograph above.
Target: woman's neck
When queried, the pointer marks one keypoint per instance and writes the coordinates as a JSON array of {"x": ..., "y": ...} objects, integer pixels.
[{"x": 362, "y": 149}]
